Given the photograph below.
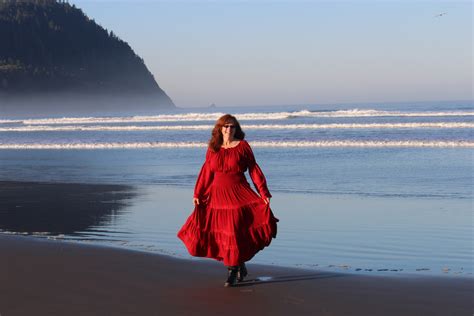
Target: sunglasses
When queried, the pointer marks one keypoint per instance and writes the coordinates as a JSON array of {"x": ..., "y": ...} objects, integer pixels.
[{"x": 229, "y": 126}]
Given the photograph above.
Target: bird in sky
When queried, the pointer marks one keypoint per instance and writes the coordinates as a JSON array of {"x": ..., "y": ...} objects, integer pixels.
[{"x": 440, "y": 15}]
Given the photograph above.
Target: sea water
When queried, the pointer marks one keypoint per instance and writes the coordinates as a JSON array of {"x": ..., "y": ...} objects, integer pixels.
[{"x": 374, "y": 188}]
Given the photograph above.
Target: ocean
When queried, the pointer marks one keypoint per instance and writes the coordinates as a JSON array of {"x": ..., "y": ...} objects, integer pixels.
[{"x": 361, "y": 188}]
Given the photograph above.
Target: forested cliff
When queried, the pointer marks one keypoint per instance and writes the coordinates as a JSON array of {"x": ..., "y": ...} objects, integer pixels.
[{"x": 51, "y": 48}]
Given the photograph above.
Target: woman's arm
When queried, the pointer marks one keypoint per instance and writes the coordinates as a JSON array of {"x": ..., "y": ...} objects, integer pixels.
[
  {"x": 256, "y": 174},
  {"x": 203, "y": 181}
]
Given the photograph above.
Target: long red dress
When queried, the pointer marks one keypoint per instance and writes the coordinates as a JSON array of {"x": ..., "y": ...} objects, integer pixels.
[{"x": 231, "y": 223}]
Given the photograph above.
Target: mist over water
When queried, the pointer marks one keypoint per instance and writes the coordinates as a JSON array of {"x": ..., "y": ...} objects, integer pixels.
[{"x": 61, "y": 104}]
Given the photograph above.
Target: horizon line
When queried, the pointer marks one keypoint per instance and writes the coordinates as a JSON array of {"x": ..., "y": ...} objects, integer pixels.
[{"x": 320, "y": 104}]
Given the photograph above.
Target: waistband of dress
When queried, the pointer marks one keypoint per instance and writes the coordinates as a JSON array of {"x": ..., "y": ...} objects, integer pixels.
[{"x": 228, "y": 176}]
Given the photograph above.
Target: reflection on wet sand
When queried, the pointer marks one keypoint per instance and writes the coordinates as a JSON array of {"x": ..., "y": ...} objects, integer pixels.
[{"x": 59, "y": 208}]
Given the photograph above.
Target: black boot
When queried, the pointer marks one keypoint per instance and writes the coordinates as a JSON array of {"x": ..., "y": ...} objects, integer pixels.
[
  {"x": 242, "y": 272},
  {"x": 232, "y": 279}
]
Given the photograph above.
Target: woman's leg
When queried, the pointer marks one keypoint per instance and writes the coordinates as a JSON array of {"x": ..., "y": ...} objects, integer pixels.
[
  {"x": 242, "y": 273},
  {"x": 232, "y": 277}
]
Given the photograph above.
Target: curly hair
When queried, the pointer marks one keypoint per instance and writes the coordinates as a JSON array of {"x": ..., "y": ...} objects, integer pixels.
[{"x": 217, "y": 139}]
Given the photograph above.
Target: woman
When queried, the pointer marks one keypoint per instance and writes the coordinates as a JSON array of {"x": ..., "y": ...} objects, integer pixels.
[{"x": 230, "y": 222}]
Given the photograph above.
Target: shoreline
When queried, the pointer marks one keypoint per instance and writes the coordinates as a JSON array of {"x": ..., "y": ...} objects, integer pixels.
[
  {"x": 341, "y": 269},
  {"x": 45, "y": 277},
  {"x": 130, "y": 217}
]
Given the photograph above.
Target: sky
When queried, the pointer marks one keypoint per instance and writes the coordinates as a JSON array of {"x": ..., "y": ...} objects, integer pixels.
[{"x": 242, "y": 53}]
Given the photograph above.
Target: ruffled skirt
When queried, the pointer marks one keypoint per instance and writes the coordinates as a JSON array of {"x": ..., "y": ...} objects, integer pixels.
[{"x": 231, "y": 224}]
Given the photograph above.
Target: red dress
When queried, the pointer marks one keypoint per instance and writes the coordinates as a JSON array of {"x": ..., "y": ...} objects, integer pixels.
[{"x": 231, "y": 223}]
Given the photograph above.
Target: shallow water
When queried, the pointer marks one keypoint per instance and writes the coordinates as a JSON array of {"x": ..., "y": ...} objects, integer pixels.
[{"x": 325, "y": 232}]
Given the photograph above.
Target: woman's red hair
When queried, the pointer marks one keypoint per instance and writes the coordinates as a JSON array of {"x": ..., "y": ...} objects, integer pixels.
[{"x": 217, "y": 139}]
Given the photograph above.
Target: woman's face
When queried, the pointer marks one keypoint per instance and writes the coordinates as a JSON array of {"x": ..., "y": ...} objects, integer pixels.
[{"x": 228, "y": 129}]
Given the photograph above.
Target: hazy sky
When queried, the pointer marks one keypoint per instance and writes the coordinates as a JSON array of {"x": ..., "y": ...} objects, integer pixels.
[{"x": 297, "y": 52}]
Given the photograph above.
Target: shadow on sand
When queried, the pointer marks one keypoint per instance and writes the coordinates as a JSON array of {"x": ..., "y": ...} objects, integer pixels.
[{"x": 287, "y": 278}]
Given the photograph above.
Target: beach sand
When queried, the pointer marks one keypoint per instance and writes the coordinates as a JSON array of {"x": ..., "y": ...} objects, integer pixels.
[{"x": 44, "y": 277}]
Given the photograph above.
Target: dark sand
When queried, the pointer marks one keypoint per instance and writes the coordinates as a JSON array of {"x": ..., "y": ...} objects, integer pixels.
[{"x": 42, "y": 277}]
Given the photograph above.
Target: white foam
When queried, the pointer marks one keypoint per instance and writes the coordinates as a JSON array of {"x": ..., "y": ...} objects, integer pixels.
[
  {"x": 350, "y": 143},
  {"x": 196, "y": 117},
  {"x": 376, "y": 113},
  {"x": 10, "y": 121},
  {"x": 66, "y": 128},
  {"x": 135, "y": 145},
  {"x": 275, "y": 144},
  {"x": 37, "y": 128},
  {"x": 364, "y": 126}
]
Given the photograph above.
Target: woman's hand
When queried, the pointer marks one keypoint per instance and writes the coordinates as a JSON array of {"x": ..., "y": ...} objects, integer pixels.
[
  {"x": 266, "y": 200},
  {"x": 195, "y": 201}
]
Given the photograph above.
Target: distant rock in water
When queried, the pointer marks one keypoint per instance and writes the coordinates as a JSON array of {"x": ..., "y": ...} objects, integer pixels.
[{"x": 54, "y": 57}]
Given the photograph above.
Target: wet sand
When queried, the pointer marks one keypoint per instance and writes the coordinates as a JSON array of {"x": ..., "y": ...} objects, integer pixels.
[
  {"x": 383, "y": 236},
  {"x": 44, "y": 277},
  {"x": 59, "y": 208},
  {"x": 47, "y": 277}
]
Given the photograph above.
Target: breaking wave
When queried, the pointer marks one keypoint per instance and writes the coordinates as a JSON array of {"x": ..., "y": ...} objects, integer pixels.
[
  {"x": 275, "y": 144},
  {"x": 190, "y": 117},
  {"x": 43, "y": 128}
]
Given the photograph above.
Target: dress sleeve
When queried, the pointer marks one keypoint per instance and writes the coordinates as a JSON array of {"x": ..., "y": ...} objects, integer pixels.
[
  {"x": 256, "y": 173},
  {"x": 204, "y": 179}
]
